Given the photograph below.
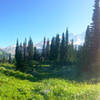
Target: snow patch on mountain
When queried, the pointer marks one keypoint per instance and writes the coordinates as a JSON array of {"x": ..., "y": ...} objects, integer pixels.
[{"x": 10, "y": 49}]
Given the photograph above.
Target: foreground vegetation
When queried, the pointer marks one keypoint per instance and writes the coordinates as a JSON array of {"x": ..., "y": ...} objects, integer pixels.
[{"x": 15, "y": 85}]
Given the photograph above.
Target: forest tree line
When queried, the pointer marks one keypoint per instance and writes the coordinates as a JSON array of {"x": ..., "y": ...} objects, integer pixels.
[{"x": 57, "y": 51}]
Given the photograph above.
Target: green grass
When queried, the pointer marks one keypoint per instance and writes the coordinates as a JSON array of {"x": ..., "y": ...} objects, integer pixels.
[
  {"x": 7, "y": 65},
  {"x": 15, "y": 85}
]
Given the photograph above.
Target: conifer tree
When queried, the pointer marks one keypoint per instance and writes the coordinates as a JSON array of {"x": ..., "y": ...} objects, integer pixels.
[
  {"x": 84, "y": 56},
  {"x": 62, "y": 49},
  {"x": 10, "y": 59},
  {"x": 25, "y": 50},
  {"x": 95, "y": 46},
  {"x": 17, "y": 57},
  {"x": 44, "y": 50},
  {"x": 30, "y": 50},
  {"x": 94, "y": 52},
  {"x": 52, "y": 49},
  {"x": 36, "y": 54},
  {"x": 21, "y": 58},
  {"x": 48, "y": 50},
  {"x": 57, "y": 48},
  {"x": 66, "y": 45}
]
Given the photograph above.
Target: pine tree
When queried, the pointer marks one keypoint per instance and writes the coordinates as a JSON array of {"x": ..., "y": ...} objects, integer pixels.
[
  {"x": 36, "y": 54},
  {"x": 57, "y": 48},
  {"x": 25, "y": 56},
  {"x": 66, "y": 45},
  {"x": 87, "y": 49},
  {"x": 21, "y": 58},
  {"x": 95, "y": 40},
  {"x": 62, "y": 49},
  {"x": 96, "y": 17},
  {"x": 48, "y": 50},
  {"x": 52, "y": 49},
  {"x": 84, "y": 57},
  {"x": 17, "y": 57},
  {"x": 87, "y": 37},
  {"x": 30, "y": 50},
  {"x": 25, "y": 50},
  {"x": 44, "y": 50},
  {"x": 10, "y": 58}
]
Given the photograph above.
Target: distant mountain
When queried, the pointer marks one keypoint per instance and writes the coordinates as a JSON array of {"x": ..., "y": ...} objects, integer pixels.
[
  {"x": 39, "y": 45},
  {"x": 78, "y": 40},
  {"x": 3, "y": 53},
  {"x": 10, "y": 49}
]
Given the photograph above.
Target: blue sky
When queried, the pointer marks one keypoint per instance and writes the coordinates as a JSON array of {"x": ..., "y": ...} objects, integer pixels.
[{"x": 39, "y": 18}]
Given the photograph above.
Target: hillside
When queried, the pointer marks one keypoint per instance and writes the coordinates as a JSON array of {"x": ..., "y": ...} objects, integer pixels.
[{"x": 15, "y": 85}]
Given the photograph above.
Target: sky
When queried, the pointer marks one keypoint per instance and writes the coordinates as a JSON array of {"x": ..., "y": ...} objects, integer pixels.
[{"x": 39, "y": 18}]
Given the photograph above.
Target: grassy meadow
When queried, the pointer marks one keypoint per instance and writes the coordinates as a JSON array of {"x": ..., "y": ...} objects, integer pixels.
[{"x": 15, "y": 85}]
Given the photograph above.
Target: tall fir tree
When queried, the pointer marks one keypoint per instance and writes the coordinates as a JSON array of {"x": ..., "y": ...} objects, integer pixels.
[
  {"x": 57, "y": 48},
  {"x": 86, "y": 50},
  {"x": 25, "y": 50},
  {"x": 66, "y": 45},
  {"x": 44, "y": 50},
  {"x": 48, "y": 50},
  {"x": 36, "y": 54},
  {"x": 62, "y": 49},
  {"x": 21, "y": 58},
  {"x": 17, "y": 57},
  {"x": 52, "y": 49},
  {"x": 10, "y": 58},
  {"x": 84, "y": 56},
  {"x": 94, "y": 54},
  {"x": 30, "y": 50}
]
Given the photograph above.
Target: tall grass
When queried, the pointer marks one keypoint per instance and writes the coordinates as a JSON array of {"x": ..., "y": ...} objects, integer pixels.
[{"x": 15, "y": 85}]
